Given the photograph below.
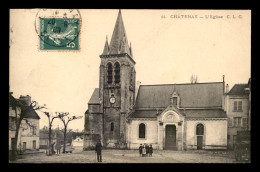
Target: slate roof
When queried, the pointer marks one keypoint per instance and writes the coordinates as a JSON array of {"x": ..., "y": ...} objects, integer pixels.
[
  {"x": 31, "y": 114},
  {"x": 200, "y": 95},
  {"x": 205, "y": 113},
  {"x": 12, "y": 100},
  {"x": 190, "y": 113},
  {"x": 118, "y": 43},
  {"x": 119, "y": 35},
  {"x": 106, "y": 48},
  {"x": 144, "y": 114},
  {"x": 238, "y": 89},
  {"x": 95, "y": 97}
]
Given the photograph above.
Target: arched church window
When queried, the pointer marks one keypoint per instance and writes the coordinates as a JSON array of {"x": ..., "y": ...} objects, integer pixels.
[
  {"x": 109, "y": 73},
  {"x": 200, "y": 129},
  {"x": 117, "y": 72},
  {"x": 142, "y": 130},
  {"x": 112, "y": 126}
]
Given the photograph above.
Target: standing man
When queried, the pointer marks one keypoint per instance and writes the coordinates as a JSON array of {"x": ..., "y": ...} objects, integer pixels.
[
  {"x": 140, "y": 149},
  {"x": 151, "y": 150},
  {"x": 98, "y": 150},
  {"x": 52, "y": 148},
  {"x": 147, "y": 149},
  {"x": 58, "y": 147}
]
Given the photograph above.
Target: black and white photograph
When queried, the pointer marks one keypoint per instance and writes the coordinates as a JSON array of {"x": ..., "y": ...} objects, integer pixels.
[{"x": 104, "y": 86}]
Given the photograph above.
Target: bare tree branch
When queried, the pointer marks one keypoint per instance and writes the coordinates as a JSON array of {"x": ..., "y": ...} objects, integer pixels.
[
  {"x": 35, "y": 106},
  {"x": 65, "y": 118},
  {"x": 51, "y": 119},
  {"x": 194, "y": 79},
  {"x": 28, "y": 123},
  {"x": 19, "y": 117}
]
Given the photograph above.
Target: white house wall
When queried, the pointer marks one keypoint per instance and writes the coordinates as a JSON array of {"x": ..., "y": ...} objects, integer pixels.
[
  {"x": 151, "y": 133},
  {"x": 27, "y": 134},
  {"x": 215, "y": 134}
]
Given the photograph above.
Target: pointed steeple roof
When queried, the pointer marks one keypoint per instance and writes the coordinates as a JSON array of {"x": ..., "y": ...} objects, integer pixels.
[
  {"x": 106, "y": 48},
  {"x": 119, "y": 42}
]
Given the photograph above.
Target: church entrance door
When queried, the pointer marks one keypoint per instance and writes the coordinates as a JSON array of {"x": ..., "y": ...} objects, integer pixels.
[
  {"x": 170, "y": 137},
  {"x": 199, "y": 142}
]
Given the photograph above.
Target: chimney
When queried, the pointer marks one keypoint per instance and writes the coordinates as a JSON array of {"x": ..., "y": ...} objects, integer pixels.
[
  {"x": 223, "y": 84},
  {"x": 227, "y": 88},
  {"x": 26, "y": 99}
]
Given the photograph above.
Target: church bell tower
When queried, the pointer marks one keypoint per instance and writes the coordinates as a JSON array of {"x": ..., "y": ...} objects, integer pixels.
[{"x": 116, "y": 85}]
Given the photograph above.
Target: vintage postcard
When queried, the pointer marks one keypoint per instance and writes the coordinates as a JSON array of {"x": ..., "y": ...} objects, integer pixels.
[{"x": 129, "y": 86}]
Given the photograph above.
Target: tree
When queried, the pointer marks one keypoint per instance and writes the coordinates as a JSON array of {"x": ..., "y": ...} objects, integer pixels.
[
  {"x": 50, "y": 120},
  {"x": 19, "y": 117},
  {"x": 65, "y": 118},
  {"x": 194, "y": 79}
]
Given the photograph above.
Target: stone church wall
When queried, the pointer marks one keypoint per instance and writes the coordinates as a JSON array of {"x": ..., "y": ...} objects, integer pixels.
[
  {"x": 111, "y": 138},
  {"x": 93, "y": 129}
]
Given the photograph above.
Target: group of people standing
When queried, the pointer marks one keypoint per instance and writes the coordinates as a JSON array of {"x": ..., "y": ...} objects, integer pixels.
[
  {"x": 54, "y": 146},
  {"x": 145, "y": 150}
]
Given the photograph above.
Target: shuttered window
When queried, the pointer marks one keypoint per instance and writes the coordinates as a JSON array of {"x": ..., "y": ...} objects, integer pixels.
[
  {"x": 235, "y": 105},
  {"x": 230, "y": 122},
  {"x": 34, "y": 130},
  {"x": 244, "y": 122},
  {"x": 239, "y": 105},
  {"x": 237, "y": 121}
]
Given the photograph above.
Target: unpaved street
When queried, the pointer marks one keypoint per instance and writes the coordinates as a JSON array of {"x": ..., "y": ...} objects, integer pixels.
[{"x": 132, "y": 156}]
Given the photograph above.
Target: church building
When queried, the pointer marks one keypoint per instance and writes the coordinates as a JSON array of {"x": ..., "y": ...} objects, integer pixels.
[{"x": 123, "y": 114}]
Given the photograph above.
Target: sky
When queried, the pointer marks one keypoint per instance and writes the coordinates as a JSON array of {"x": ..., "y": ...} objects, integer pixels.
[{"x": 166, "y": 50}]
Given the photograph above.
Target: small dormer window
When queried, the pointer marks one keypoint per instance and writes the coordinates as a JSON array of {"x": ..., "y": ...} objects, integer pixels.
[
  {"x": 246, "y": 90},
  {"x": 175, "y": 99}
]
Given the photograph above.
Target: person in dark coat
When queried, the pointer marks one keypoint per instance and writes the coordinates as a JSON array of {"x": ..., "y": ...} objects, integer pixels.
[
  {"x": 147, "y": 149},
  {"x": 140, "y": 149},
  {"x": 151, "y": 150},
  {"x": 98, "y": 150},
  {"x": 52, "y": 148},
  {"x": 58, "y": 147}
]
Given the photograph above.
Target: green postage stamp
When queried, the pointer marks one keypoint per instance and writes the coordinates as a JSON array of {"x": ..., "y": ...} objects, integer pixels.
[{"x": 59, "y": 33}]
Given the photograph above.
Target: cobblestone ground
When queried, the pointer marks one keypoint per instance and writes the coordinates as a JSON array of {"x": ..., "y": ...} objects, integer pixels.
[{"x": 132, "y": 156}]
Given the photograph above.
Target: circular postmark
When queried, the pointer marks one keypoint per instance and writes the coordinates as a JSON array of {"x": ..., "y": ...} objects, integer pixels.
[{"x": 58, "y": 29}]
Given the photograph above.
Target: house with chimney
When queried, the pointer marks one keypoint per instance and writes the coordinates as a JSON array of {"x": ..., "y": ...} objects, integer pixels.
[
  {"x": 28, "y": 138},
  {"x": 238, "y": 110}
]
